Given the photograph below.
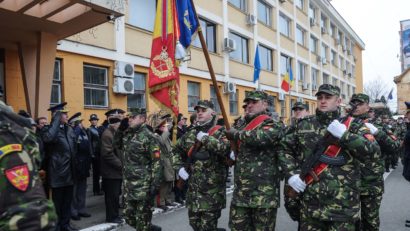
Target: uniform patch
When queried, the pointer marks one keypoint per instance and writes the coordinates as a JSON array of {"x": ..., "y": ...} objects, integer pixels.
[
  {"x": 369, "y": 137},
  {"x": 18, "y": 176},
  {"x": 9, "y": 149}
]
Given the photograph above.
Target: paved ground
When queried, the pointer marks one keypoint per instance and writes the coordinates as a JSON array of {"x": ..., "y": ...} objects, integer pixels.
[{"x": 394, "y": 211}]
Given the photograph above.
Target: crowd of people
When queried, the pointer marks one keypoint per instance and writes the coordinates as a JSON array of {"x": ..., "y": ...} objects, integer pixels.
[{"x": 332, "y": 164}]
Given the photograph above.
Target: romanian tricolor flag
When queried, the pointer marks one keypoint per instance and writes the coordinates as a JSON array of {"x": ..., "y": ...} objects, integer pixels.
[
  {"x": 287, "y": 81},
  {"x": 163, "y": 73}
]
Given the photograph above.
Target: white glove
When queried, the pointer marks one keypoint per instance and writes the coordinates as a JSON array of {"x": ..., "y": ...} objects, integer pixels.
[
  {"x": 372, "y": 128},
  {"x": 232, "y": 156},
  {"x": 296, "y": 183},
  {"x": 201, "y": 135},
  {"x": 183, "y": 174},
  {"x": 337, "y": 129}
]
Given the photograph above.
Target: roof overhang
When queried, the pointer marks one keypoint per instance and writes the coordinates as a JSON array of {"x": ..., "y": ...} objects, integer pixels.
[{"x": 21, "y": 20}]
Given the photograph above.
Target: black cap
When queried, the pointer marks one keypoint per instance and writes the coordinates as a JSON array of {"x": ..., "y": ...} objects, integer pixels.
[
  {"x": 24, "y": 114},
  {"x": 114, "y": 111},
  {"x": 75, "y": 117},
  {"x": 93, "y": 117},
  {"x": 58, "y": 107}
]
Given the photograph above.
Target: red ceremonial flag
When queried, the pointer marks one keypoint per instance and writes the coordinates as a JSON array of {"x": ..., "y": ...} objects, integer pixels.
[
  {"x": 287, "y": 81},
  {"x": 163, "y": 72}
]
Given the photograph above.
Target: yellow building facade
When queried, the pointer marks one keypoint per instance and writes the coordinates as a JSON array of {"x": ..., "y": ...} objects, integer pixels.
[
  {"x": 403, "y": 88},
  {"x": 308, "y": 36}
]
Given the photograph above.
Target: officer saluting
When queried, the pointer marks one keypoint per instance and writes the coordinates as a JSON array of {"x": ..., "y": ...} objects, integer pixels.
[
  {"x": 23, "y": 204},
  {"x": 60, "y": 143}
]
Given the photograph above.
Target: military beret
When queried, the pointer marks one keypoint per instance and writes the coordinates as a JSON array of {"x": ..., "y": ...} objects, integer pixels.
[
  {"x": 59, "y": 107},
  {"x": 328, "y": 89},
  {"x": 256, "y": 95},
  {"x": 204, "y": 104},
  {"x": 360, "y": 97}
]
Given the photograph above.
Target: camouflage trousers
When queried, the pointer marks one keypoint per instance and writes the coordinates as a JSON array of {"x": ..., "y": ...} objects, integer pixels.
[
  {"x": 370, "y": 205},
  {"x": 138, "y": 214},
  {"x": 36, "y": 215},
  {"x": 204, "y": 220},
  {"x": 314, "y": 224},
  {"x": 257, "y": 219}
]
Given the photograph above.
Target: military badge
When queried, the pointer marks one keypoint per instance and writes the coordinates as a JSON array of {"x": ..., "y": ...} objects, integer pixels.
[{"x": 19, "y": 177}]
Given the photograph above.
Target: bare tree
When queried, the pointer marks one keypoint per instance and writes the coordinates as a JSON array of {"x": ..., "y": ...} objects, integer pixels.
[{"x": 375, "y": 89}]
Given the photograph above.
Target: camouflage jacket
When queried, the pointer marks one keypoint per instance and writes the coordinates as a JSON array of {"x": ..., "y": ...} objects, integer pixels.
[
  {"x": 256, "y": 169},
  {"x": 141, "y": 169},
  {"x": 387, "y": 140},
  {"x": 23, "y": 204},
  {"x": 336, "y": 195},
  {"x": 206, "y": 189}
]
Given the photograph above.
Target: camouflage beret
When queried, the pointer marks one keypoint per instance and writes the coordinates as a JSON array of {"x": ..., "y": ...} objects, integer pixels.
[
  {"x": 328, "y": 89},
  {"x": 300, "y": 105},
  {"x": 256, "y": 95},
  {"x": 137, "y": 111},
  {"x": 363, "y": 98},
  {"x": 204, "y": 104}
]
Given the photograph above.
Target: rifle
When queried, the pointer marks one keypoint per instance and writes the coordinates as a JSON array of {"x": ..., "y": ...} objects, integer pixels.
[{"x": 309, "y": 163}]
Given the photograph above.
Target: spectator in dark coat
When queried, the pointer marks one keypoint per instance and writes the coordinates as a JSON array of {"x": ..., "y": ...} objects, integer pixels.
[
  {"x": 60, "y": 142},
  {"x": 93, "y": 132}
]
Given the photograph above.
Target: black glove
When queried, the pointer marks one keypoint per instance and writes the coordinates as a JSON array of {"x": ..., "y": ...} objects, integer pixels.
[
  {"x": 123, "y": 125},
  {"x": 232, "y": 134}
]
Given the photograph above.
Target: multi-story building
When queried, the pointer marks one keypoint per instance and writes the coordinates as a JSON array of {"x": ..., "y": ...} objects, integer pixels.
[
  {"x": 308, "y": 36},
  {"x": 403, "y": 88}
]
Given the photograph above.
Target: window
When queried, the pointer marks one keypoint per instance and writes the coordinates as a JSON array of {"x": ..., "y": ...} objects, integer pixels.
[
  {"x": 347, "y": 66},
  {"x": 214, "y": 100},
  {"x": 342, "y": 90},
  {"x": 137, "y": 100},
  {"x": 142, "y": 14},
  {"x": 301, "y": 71},
  {"x": 193, "y": 95},
  {"x": 325, "y": 78},
  {"x": 95, "y": 86},
  {"x": 283, "y": 108},
  {"x": 332, "y": 30},
  {"x": 264, "y": 13},
  {"x": 334, "y": 82},
  {"x": 284, "y": 25},
  {"x": 285, "y": 64},
  {"x": 353, "y": 90},
  {"x": 314, "y": 75},
  {"x": 265, "y": 56},
  {"x": 239, "y": 4},
  {"x": 353, "y": 71},
  {"x": 56, "y": 85},
  {"x": 323, "y": 22},
  {"x": 241, "y": 52},
  {"x": 340, "y": 36},
  {"x": 313, "y": 44},
  {"x": 209, "y": 32},
  {"x": 324, "y": 51},
  {"x": 233, "y": 103},
  {"x": 272, "y": 104},
  {"x": 300, "y": 35},
  {"x": 347, "y": 43},
  {"x": 312, "y": 12},
  {"x": 334, "y": 57},
  {"x": 341, "y": 63},
  {"x": 299, "y": 4},
  {"x": 348, "y": 91}
]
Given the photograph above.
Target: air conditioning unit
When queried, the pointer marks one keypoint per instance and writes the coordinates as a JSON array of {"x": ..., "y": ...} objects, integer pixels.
[
  {"x": 324, "y": 61},
  {"x": 124, "y": 69},
  {"x": 337, "y": 41},
  {"x": 314, "y": 87},
  {"x": 229, "y": 45},
  {"x": 312, "y": 22},
  {"x": 282, "y": 1},
  {"x": 251, "y": 19},
  {"x": 318, "y": 58},
  {"x": 281, "y": 96},
  {"x": 323, "y": 30},
  {"x": 305, "y": 86},
  {"x": 123, "y": 85},
  {"x": 229, "y": 88}
]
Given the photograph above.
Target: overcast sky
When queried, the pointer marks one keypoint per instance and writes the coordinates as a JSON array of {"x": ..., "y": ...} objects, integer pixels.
[{"x": 377, "y": 22}]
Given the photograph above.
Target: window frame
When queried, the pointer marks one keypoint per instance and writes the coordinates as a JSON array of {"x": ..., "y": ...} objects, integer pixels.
[
  {"x": 288, "y": 64},
  {"x": 242, "y": 5},
  {"x": 268, "y": 14},
  {"x": 57, "y": 82},
  {"x": 214, "y": 99},
  {"x": 98, "y": 87},
  {"x": 209, "y": 25},
  {"x": 301, "y": 71},
  {"x": 300, "y": 4},
  {"x": 243, "y": 41},
  {"x": 134, "y": 15},
  {"x": 142, "y": 92},
  {"x": 198, "y": 97},
  {"x": 303, "y": 34},
  {"x": 285, "y": 19},
  {"x": 313, "y": 41},
  {"x": 269, "y": 62},
  {"x": 234, "y": 103}
]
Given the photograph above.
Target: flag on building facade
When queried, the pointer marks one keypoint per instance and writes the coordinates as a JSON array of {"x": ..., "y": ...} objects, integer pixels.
[
  {"x": 390, "y": 97},
  {"x": 163, "y": 72},
  {"x": 257, "y": 66},
  {"x": 188, "y": 22},
  {"x": 287, "y": 80}
]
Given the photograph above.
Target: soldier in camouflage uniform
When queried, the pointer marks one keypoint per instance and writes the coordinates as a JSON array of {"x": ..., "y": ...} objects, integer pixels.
[
  {"x": 371, "y": 169},
  {"x": 256, "y": 194},
  {"x": 141, "y": 172},
  {"x": 23, "y": 204},
  {"x": 332, "y": 202},
  {"x": 200, "y": 156}
]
